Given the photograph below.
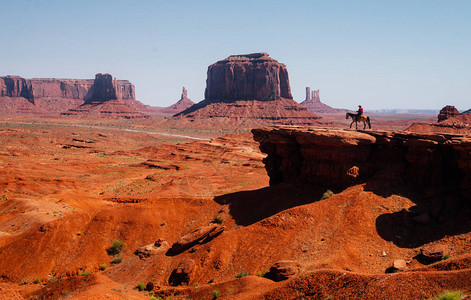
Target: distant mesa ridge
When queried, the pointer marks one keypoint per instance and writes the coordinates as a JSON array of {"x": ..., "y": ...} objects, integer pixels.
[
  {"x": 19, "y": 95},
  {"x": 249, "y": 87},
  {"x": 449, "y": 121}
]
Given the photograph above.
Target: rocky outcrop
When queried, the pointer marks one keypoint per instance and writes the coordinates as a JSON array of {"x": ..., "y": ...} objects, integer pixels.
[
  {"x": 450, "y": 121},
  {"x": 198, "y": 236},
  {"x": 155, "y": 248},
  {"x": 52, "y": 96},
  {"x": 183, "y": 273},
  {"x": 447, "y": 112},
  {"x": 247, "y": 77},
  {"x": 283, "y": 270},
  {"x": 252, "y": 88},
  {"x": 324, "y": 157},
  {"x": 313, "y": 103}
]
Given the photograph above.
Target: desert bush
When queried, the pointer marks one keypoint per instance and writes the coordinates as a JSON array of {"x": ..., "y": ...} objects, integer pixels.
[
  {"x": 262, "y": 273},
  {"x": 218, "y": 220},
  {"x": 327, "y": 194},
  {"x": 37, "y": 280},
  {"x": 103, "y": 267},
  {"x": 84, "y": 273},
  {"x": 242, "y": 274},
  {"x": 79, "y": 233},
  {"x": 24, "y": 282},
  {"x": 151, "y": 293},
  {"x": 116, "y": 260},
  {"x": 446, "y": 256},
  {"x": 141, "y": 286},
  {"x": 116, "y": 247},
  {"x": 449, "y": 295},
  {"x": 216, "y": 294}
]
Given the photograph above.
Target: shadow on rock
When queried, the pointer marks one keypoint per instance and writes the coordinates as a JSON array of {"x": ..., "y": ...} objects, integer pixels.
[
  {"x": 437, "y": 214},
  {"x": 249, "y": 207}
]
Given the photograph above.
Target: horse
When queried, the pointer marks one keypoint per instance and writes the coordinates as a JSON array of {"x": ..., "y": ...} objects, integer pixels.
[{"x": 362, "y": 118}]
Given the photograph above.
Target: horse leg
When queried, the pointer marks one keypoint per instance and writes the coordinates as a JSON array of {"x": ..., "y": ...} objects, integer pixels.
[{"x": 351, "y": 124}]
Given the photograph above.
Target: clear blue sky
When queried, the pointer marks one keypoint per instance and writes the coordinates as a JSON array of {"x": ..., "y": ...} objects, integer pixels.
[{"x": 381, "y": 54}]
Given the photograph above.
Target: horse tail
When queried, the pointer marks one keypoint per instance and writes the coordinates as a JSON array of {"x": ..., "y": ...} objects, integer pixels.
[{"x": 368, "y": 121}]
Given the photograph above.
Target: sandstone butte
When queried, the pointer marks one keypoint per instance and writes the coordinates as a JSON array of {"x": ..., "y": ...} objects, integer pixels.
[
  {"x": 180, "y": 105},
  {"x": 104, "y": 102},
  {"x": 53, "y": 96},
  {"x": 313, "y": 103},
  {"x": 395, "y": 195},
  {"x": 253, "y": 87}
]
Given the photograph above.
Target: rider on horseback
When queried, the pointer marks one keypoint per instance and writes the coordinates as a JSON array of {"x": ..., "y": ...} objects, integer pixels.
[{"x": 359, "y": 112}]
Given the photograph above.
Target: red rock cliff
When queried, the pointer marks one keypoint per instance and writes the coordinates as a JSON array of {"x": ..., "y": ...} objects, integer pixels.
[
  {"x": 338, "y": 158},
  {"x": 247, "y": 77}
]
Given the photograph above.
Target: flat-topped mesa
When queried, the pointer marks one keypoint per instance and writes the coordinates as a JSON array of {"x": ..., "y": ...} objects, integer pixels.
[{"x": 247, "y": 77}]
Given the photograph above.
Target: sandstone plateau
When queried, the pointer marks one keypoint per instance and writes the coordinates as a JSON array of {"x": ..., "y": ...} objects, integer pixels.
[
  {"x": 91, "y": 210},
  {"x": 252, "y": 87},
  {"x": 53, "y": 96},
  {"x": 313, "y": 103}
]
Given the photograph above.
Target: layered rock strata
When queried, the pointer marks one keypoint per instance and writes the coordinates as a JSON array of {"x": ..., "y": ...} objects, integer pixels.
[
  {"x": 338, "y": 158},
  {"x": 251, "y": 87}
]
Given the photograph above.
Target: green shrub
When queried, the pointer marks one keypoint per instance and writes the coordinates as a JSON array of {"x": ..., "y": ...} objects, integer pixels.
[
  {"x": 327, "y": 194},
  {"x": 218, "y": 220},
  {"x": 151, "y": 293},
  {"x": 24, "y": 282},
  {"x": 446, "y": 256},
  {"x": 242, "y": 274},
  {"x": 141, "y": 286},
  {"x": 37, "y": 280},
  {"x": 84, "y": 273},
  {"x": 79, "y": 233},
  {"x": 216, "y": 294},
  {"x": 262, "y": 273},
  {"x": 116, "y": 247},
  {"x": 116, "y": 260},
  {"x": 103, "y": 267},
  {"x": 450, "y": 295}
]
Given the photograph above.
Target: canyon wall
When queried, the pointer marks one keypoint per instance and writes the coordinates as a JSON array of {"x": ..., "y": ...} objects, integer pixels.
[{"x": 339, "y": 158}]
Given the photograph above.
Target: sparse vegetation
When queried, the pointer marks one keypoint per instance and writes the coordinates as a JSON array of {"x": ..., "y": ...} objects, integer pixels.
[
  {"x": 242, "y": 274},
  {"x": 24, "y": 282},
  {"x": 262, "y": 273},
  {"x": 84, "y": 273},
  {"x": 116, "y": 260},
  {"x": 327, "y": 195},
  {"x": 116, "y": 247},
  {"x": 151, "y": 293},
  {"x": 216, "y": 294},
  {"x": 103, "y": 267},
  {"x": 446, "y": 256},
  {"x": 79, "y": 233},
  {"x": 141, "y": 286},
  {"x": 37, "y": 280},
  {"x": 449, "y": 295},
  {"x": 218, "y": 220}
]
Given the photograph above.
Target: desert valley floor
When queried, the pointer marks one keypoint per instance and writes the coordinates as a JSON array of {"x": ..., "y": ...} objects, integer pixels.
[{"x": 100, "y": 209}]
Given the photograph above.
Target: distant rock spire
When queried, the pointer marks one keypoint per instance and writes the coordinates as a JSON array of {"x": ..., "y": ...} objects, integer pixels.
[
  {"x": 315, "y": 96},
  {"x": 308, "y": 94}
]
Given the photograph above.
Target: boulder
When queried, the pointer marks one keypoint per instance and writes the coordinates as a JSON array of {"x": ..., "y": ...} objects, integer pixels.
[
  {"x": 434, "y": 252},
  {"x": 152, "y": 249},
  {"x": 283, "y": 270},
  {"x": 199, "y": 236}
]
